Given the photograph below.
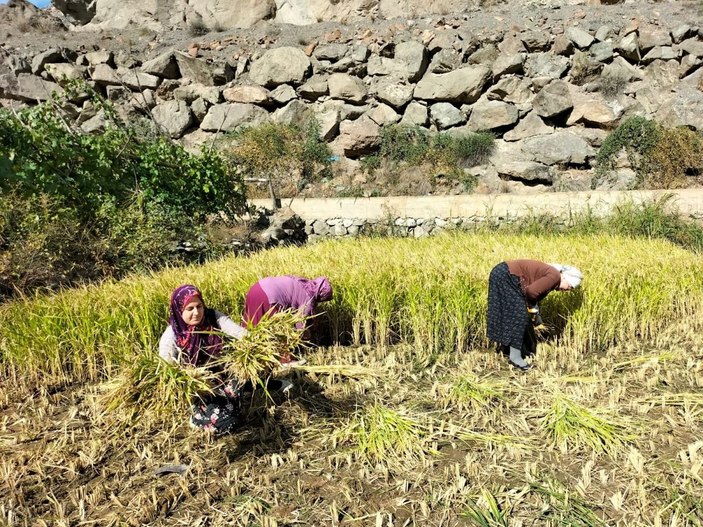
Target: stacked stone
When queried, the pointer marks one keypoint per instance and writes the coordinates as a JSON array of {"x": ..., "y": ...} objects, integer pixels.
[{"x": 550, "y": 98}]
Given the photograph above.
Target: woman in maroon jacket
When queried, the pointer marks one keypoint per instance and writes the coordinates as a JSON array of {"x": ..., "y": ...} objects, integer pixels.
[{"x": 515, "y": 288}]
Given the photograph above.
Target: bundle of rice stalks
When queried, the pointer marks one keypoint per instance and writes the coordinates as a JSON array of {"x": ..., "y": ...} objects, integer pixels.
[
  {"x": 153, "y": 388},
  {"x": 470, "y": 392},
  {"x": 570, "y": 424},
  {"x": 259, "y": 352},
  {"x": 381, "y": 434}
]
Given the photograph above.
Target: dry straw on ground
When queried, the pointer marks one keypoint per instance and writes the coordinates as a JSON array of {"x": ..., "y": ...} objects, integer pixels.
[{"x": 606, "y": 431}]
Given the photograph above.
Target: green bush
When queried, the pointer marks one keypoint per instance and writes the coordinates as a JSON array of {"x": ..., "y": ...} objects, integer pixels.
[
  {"x": 47, "y": 156},
  {"x": 661, "y": 157},
  {"x": 637, "y": 136},
  {"x": 78, "y": 207},
  {"x": 282, "y": 152},
  {"x": 444, "y": 152}
]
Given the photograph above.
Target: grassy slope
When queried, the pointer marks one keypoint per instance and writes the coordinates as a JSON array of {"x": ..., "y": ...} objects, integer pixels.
[{"x": 605, "y": 431}]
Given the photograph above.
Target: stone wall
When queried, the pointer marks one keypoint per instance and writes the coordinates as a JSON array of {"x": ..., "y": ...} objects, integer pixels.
[
  {"x": 549, "y": 95},
  {"x": 422, "y": 216}
]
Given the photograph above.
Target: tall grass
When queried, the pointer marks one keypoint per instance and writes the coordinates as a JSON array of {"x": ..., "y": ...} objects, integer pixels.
[{"x": 431, "y": 292}]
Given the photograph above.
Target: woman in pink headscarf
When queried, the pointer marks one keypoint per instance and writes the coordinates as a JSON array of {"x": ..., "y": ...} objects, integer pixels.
[
  {"x": 194, "y": 337},
  {"x": 279, "y": 293}
]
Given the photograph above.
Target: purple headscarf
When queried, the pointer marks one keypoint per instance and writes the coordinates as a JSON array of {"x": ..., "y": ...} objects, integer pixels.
[
  {"x": 319, "y": 289},
  {"x": 189, "y": 339}
]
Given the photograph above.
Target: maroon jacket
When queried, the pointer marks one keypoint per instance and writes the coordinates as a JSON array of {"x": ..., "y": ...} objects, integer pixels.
[{"x": 537, "y": 279}]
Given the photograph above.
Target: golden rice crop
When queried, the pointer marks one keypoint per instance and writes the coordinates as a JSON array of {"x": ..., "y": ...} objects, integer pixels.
[
  {"x": 254, "y": 357},
  {"x": 431, "y": 292}
]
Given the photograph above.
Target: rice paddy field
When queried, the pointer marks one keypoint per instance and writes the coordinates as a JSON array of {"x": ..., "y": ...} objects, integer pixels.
[{"x": 405, "y": 416}]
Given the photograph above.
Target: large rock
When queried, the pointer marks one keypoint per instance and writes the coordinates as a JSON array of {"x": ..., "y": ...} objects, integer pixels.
[
  {"x": 409, "y": 62},
  {"x": 111, "y": 14},
  {"x": 284, "y": 65},
  {"x": 445, "y": 115},
  {"x": 507, "y": 63},
  {"x": 82, "y": 11},
  {"x": 347, "y": 88},
  {"x": 163, "y": 65},
  {"x": 332, "y": 52},
  {"x": 382, "y": 115},
  {"x": 592, "y": 109},
  {"x": 553, "y": 99},
  {"x": 601, "y": 51},
  {"x": 195, "y": 69},
  {"x": 461, "y": 86},
  {"x": 511, "y": 89},
  {"x": 329, "y": 123},
  {"x": 580, "y": 38},
  {"x": 191, "y": 92},
  {"x": 559, "y": 148},
  {"x": 138, "y": 80},
  {"x": 629, "y": 47},
  {"x": 315, "y": 87},
  {"x": 684, "y": 108},
  {"x": 228, "y": 116},
  {"x": 415, "y": 115},
  {"x": 650, "y": 37},
  {"x": 27, "y": 87},
  {"x": 246, "y": 94},
  {"x": 662, "y": 73},
  {"x": 546, "y": 65},
  {"x": 357, "y": 138},
  {"x": 229, "y": 14},
  {"x": 529, "y": 126},
  {"x": 173, "y": 117},
  {"x": 295, "y": 112},
  {"x": 396, "y": 95},
  {"x": 60, "y": 71},
  {"x": 660, "y": 53},
  {"x": 692, "y": 46},
  {"x": 490, "y": 115},
  {"x": 510, "y": 161},
  {"x": 536, "y": 40}
]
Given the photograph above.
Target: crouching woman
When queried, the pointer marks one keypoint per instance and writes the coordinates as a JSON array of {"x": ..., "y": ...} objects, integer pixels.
[
  {"x": 193, "y": 338},
  {"x": 515, "y": 289}
]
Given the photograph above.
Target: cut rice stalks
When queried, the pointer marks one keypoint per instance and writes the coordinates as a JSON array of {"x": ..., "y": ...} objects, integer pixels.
[
  {"x": 253, "y": 358},
  {"x": 154, "y": 388}
]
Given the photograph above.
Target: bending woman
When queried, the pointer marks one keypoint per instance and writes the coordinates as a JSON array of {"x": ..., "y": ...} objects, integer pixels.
[
  {"x": 187, "y": 341},
  {"x": 515, "y": 288},
  {"x": 279, "y": 293}
]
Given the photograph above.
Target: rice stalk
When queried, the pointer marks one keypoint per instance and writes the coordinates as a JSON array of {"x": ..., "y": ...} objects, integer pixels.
[
  {"x": 569, "y": 424},
  {"x": 485, "y": 511},
  {"x": 380, "y": 434},
  {"x": 342, "y": 370},
  {"x": 564, "y": 507},
  {"x": 470, "y": 392},
  {"x": 153, "y": 388},
  {"x": 253, "y": 358}
]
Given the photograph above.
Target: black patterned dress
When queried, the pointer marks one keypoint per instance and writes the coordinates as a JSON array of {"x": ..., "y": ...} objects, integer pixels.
[{"x": 508, "y": 322}]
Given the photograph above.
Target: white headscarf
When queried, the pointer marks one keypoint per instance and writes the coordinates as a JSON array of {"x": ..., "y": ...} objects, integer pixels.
[{"x": 572, "y": 275}]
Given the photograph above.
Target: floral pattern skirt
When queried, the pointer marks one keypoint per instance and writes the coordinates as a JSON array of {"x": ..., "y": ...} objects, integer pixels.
[{"x": 219, "y": 412}]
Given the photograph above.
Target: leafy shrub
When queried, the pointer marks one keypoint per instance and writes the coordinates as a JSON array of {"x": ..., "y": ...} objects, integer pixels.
[
  {"x": 78, "y": 207},
  {"x": 444, "y": 152},
  {"x": 637, "y": 136},
  {"x": 660, "y": 156},
  {"x": 678, "y": 151},
  {"x": 279, "y": 152},
  {"x": 48, "y": 156},
  {"x": 404, "y": 143}
]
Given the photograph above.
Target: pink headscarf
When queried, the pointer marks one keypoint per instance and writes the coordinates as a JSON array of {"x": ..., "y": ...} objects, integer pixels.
[{"x": 190, "y": 339}]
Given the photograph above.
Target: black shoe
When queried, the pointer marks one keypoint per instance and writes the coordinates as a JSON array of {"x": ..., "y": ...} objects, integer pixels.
[{"x": 526, "y": 367}]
